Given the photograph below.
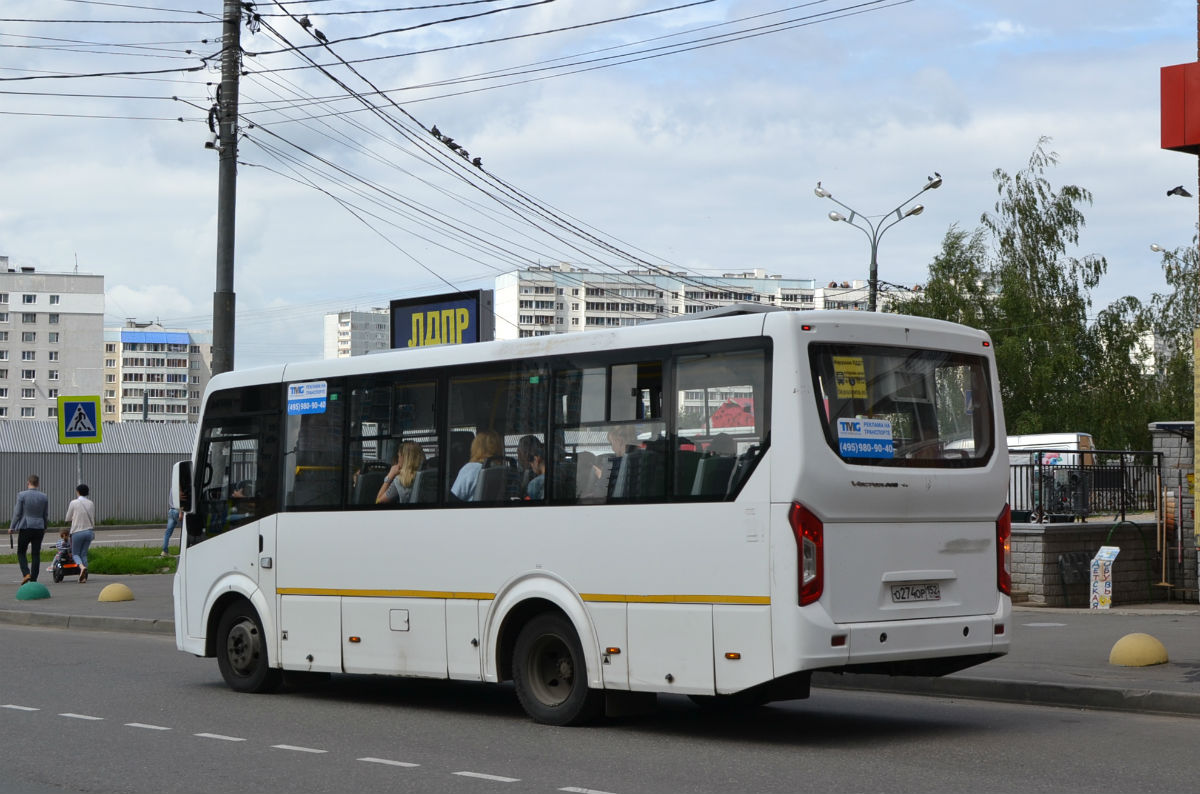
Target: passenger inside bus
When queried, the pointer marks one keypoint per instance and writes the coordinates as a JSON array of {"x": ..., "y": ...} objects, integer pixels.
[
  {"x": 397, "y": 486},
  {"x": 536, "y": 489},
  {"x": 485, "y": 449}
]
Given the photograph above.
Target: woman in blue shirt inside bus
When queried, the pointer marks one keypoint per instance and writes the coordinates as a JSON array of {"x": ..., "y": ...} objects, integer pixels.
[{"x": 484, "y": 447}]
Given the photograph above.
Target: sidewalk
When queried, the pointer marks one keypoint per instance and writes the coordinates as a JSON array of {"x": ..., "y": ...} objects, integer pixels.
[{"x": 1059, "y": 657}]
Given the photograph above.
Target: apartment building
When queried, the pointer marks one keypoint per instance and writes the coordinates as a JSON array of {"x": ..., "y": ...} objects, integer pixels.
[
  {"x": 355, "y": 333},
  {"x": 563, "y": 298},
  {"x": 154, "y": 374},
  {"x": 51, "y": 325}
]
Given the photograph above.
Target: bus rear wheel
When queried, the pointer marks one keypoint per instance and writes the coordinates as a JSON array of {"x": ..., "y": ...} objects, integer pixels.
[
  {"x": 550, "y": 673},
  {"x": 242, "y": 651}
]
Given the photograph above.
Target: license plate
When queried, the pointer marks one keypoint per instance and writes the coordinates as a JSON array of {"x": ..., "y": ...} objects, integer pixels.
[{"x": 925, "y": 591}]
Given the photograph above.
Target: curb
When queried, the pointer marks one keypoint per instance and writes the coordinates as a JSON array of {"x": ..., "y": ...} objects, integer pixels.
[
  {"x": 87, "y": 622},
  {"x": 1142, "y": 701}
]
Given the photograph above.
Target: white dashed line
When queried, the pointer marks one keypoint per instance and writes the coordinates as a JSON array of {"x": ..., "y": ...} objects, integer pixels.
[
  {"x": 495, "y": 778},
  {"x": 146, "y": 727},
  {"x": 387, "y": 762},
  {"x": 298, "y": 749},
  {"x": 1044, "y": 625},
  {"x": 15, "y": 707},
  {"x": 577, "y": 790},
  {"x": 69, "y": 715},
  {"x": 219, "y": 736}
]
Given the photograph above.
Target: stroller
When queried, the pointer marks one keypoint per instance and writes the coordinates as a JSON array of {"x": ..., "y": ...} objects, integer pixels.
[{"x": 64, "y": 564}]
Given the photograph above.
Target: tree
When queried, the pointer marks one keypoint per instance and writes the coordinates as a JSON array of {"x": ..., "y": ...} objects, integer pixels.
[
  {"x": 1175, "y": 316},
  {"x": 959, "y": 287},
  {"x": 1042, "y": 340}
]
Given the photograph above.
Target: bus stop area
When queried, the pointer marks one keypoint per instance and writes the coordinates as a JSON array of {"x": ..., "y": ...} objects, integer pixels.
[{"x": 1059, "y": 657}]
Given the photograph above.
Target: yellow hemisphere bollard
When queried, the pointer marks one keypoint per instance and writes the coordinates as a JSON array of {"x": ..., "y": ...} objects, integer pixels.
[
  {"x": 115, "y": 592},
  {"x": 1137, "y": 650}
]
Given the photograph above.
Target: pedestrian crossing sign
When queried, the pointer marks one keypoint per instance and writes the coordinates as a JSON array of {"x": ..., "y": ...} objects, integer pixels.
[{"x": 79, "y": 420}]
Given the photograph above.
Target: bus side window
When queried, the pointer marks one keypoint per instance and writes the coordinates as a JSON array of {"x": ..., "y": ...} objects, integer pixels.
[
  {"x": 313, "y": 454},
  {"x": 721, "y": 406}
]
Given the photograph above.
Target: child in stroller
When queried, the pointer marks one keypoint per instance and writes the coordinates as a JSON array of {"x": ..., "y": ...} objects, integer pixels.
[{"x": 64, "y": 564}]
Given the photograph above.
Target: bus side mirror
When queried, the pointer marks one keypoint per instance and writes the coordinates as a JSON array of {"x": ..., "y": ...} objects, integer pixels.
[{"x": 181, "y": 486}]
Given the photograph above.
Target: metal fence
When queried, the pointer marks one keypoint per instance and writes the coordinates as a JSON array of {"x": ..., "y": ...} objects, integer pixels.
[
  {"x": 128, "y": 473},
  {"x": 1061, "y": 485}
]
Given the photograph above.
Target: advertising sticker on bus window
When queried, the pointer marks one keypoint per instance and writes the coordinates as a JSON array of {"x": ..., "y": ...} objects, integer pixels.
[
  {"x": 306, "y": 398},
  {"x": 865, "y": 438},
  {"x": 850, "y": 377}
]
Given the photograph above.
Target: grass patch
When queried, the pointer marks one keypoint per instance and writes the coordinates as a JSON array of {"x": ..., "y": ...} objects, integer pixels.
[{"x": 115, "y": 560}]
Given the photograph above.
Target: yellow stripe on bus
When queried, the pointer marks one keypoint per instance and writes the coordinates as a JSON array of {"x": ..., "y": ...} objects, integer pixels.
[
  {"x": 329, "y": 591},
  {"x": 592, "y": 597}
]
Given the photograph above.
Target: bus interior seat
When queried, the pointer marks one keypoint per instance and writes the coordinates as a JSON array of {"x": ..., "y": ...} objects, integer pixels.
[
  {"x": 492, "y": 483},
  {"x": 367, "y": 486},
  {"x": 317, "y": 486},
  {"x": 565, "y": 473},
  {"x": 424, "y": 487},
  {"x": 686, "y": 463},
  {"x": 640, "y": 475},
  {"x": 712, "y": 475}
]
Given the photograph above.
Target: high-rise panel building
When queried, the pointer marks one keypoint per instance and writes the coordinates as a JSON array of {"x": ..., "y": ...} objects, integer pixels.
[
  {"x": 563, "y": 298},
  {"x": 355, "y": 333},
  {"x": 51, "y": 326},
  {"x": 154, "y": 374}
]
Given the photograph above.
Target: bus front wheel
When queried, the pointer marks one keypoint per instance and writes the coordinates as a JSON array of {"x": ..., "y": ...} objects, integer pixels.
[
  {"x": 550, "y": 674},
  {"x": 242, "y": 651}
]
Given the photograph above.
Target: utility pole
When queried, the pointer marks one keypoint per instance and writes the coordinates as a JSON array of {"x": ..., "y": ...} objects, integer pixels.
[{"x": 224, "y": 300}]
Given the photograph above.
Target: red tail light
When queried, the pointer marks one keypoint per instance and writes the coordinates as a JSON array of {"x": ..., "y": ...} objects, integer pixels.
[
  {"x": 810, "y": 552},
  {"x": 1004, "y": 551}
]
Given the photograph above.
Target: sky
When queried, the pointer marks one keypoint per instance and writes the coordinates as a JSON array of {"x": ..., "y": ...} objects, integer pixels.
[{"x": 685, "y": 135}]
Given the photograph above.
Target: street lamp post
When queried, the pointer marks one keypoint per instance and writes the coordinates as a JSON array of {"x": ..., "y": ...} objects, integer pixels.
[{"x": 875, "y": 230}]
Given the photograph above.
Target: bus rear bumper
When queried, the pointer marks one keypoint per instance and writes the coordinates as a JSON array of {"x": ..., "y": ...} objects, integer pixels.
[{"x": 933, "y": 647}]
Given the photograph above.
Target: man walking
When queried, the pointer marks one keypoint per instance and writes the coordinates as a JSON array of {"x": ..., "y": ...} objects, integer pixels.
[{"x": 31, "y": 516}]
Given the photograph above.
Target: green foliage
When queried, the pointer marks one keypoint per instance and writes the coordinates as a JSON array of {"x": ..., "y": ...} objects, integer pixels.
[
  {"x": 1060, "y": 371},
  {"x": 114, "y": 560}
]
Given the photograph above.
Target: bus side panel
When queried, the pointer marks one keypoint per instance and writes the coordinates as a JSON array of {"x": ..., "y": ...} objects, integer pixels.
[
  {"x": 404, "y": 636},
  {"x": 671, "y": 648},
  {"x": 741, "y": 646},
  {"x": 310, "y": 627},
  {"x": 611, "y": 630},
  {"x": 463, "y": 639}
]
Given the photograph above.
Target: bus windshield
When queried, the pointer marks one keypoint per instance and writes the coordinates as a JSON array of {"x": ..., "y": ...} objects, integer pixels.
[{"x": 895, "y": 406}]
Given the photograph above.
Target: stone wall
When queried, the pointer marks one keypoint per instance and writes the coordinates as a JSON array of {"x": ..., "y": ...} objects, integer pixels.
[{"x": 1035, "y": 569}]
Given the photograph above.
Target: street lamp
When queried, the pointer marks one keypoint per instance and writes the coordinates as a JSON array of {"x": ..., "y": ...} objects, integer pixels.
[{"x": 875, "y": 230}]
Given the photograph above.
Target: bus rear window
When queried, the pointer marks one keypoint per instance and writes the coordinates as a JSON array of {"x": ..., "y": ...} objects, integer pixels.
[{"x": 895, "y": 406}]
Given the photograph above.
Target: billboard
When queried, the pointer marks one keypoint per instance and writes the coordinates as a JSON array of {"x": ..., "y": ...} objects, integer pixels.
[{"x": 454, "y": 318}]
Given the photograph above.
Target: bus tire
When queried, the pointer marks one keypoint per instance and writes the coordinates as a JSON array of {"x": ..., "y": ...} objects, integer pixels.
[
  {"x": 242, "y": 651},
  {"x": 550, "y": 674}
]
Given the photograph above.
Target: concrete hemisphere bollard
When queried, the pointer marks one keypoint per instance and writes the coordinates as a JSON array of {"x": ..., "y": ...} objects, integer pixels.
[
  {"x": 31, "y": 591},
  {"x": 116, "y": 592},
  {"x": 1137, "y": 650}
]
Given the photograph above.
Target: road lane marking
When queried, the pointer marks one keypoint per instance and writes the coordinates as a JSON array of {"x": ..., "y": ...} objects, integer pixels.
[
  {"x": 577, "y": 790},
  {"x": 495, "y": 778},
  {"x": 1043, "y": 625},
  {"x": 147, "y": 727},
  {"x": 387, "y": 762},
  {"x": 220, "y": 737},
  {"x": 69, "y": 715},
  {"x": 298, "y": 749},
  {"x": 15, "y": 707}
]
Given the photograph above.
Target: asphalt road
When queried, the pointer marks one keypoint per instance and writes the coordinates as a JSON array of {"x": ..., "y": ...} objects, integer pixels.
[{"x": 108, "y": 711}]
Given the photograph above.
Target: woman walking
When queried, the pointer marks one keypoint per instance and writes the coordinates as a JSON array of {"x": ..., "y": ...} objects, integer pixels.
[{"x": 81, "y": 512}]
